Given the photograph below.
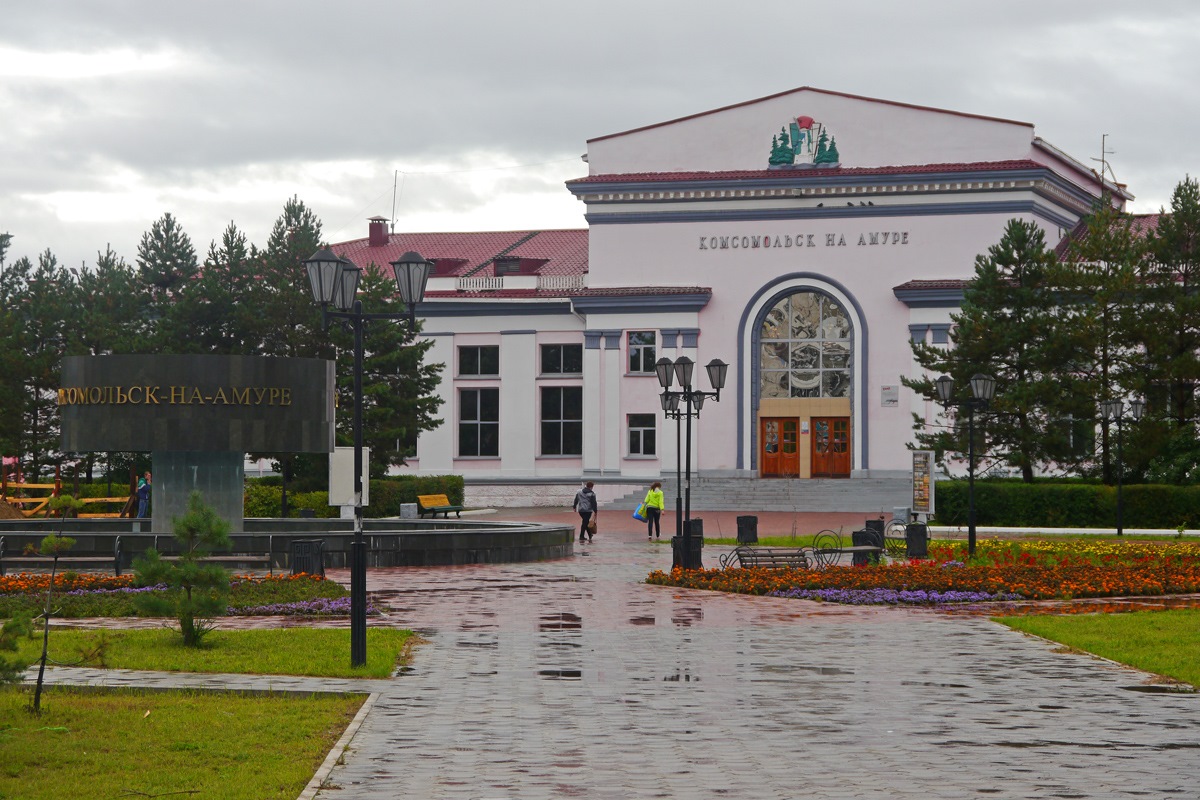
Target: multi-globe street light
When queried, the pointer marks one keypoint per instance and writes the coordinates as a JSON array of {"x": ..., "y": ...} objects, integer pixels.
[
  {"x": 1115, "y": 410},
  {"x": 983, "y": 389},
  {"x": 334, "y": 281},
  {"x": 680, "y": 405}
]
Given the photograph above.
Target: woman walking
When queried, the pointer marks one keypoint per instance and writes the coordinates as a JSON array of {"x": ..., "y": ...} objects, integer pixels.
[
  {"x": 585, "y": 504},
  {"x": 654, "y": 509}
]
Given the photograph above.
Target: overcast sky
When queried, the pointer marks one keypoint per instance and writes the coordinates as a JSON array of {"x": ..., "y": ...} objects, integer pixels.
[{"x": 116, "y": 112}]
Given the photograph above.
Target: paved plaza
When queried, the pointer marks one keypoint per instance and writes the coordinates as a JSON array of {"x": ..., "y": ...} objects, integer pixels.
[{"x": 573, "y": 679}]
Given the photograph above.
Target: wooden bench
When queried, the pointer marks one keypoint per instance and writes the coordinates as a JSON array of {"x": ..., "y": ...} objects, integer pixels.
[
  {"x": 44, "y": 563},
  {"x": 437, "y": 504},
  {"x": 767, "y": 558},
  {"x": 262, "y": 559}
]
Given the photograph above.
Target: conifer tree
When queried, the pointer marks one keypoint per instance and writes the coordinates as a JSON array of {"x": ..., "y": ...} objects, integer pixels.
[{"x": 1005, "y": 329}]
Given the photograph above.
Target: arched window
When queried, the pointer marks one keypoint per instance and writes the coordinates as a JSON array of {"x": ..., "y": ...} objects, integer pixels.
[{"x": 805, "y": 348}]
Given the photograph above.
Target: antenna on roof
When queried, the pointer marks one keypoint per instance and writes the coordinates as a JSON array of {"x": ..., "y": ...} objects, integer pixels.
[
  {"x": 395, "y": 176},
  {"x": 1105, "y": 167}
]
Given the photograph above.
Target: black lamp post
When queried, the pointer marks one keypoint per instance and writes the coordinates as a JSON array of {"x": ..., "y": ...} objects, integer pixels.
[
  {"x": 685, "y": 404},
  {"x": 983, "y": 389},
  {"x": 334, "y": 280},
  {"x": 1115, "y": 410}
]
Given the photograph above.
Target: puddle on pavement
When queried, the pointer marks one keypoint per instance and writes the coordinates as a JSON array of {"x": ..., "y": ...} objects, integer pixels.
[{"x": 560, "y": 622}]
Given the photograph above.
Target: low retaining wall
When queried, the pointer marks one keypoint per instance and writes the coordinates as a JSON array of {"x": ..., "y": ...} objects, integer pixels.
[{"x": 390, "y": 543}]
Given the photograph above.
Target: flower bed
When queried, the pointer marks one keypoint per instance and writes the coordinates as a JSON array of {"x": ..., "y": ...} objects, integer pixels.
[
  {"x": 1000, "y": 571},
  {"x": 86, "y": 595}
]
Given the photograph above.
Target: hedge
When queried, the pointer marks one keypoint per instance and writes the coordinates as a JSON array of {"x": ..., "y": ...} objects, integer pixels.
[
  {"x": 387, "y": 495},
  {"x": 1068, "y": 505}
]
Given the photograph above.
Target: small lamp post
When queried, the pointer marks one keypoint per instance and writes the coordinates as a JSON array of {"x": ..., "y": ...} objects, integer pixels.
[
  {"x": 680, "y": 405},
  {"x": 334, "y": 281},
  {"x": 983, "y": 389},
  {"x": 1115, "y": 410}
]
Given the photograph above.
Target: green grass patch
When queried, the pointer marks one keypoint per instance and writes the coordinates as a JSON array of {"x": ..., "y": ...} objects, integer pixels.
[
  {"x": 126, "y": 743},
  {"x": 318, "y": 652},
  {"x": 1163, "y": 642}
]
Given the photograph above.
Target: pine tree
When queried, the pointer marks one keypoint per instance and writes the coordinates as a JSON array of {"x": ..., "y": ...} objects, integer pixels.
[{"x": 1005, "y": 329}]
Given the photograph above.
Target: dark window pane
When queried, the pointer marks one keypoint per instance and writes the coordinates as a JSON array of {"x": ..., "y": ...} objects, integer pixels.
[
  {"x": 635, "y": 442},
  {"x": 468, "y": 361},
  {"x": 489, "y": 439},
  {"x": 648, "y": 446},
  {"x": 489, "y": 360},
  {"x": 489, "y": 405},
  {"x": 552, "y": 358},
  {"x": 641, "y": 420},
  {"x": 572, "y": 359},
  {"x": 572, "y": 438},
  {"x": 468, "y": 439},
  {"x": 551, "y": 402},
  {"x": 470, "y": 405},
  {"x": 551, "y": 439},
  {"x": 572, "y": 402}
]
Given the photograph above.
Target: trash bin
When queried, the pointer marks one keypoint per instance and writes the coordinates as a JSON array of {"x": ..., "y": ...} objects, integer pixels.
[
  {"x": 865, "y": 537},
  {"x": 308, "y": 513},
  {"x": 747, "y": 530},
  {"x": 308, "y": 556},
  {"x": 916, "y": 536},
  {"x": 686, "y": 548},
  {"x": 876, "y": 525}
]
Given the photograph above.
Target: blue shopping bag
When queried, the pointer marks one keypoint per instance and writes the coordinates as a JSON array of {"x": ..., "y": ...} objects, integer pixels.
[{"x": 639, "y": 513}]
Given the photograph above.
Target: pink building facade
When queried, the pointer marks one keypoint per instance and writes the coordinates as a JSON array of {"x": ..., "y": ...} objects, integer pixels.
[{"x": 804, "y": 238}]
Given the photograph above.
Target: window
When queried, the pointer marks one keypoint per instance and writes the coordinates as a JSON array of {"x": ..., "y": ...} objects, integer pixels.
[
  {"x": 641, "y": 351},
  {"x": 805, "y": 348},
  {"x": 475, "y": 361},
  {"x": 641, "y": 435},
  {"x": 562, "y": 420},
  {"x": 479, "y": 422},
  {"x": 562, "y": 359}
]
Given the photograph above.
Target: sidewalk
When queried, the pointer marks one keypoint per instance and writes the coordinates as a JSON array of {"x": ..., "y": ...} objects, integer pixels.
[{"x": 574, "y": 678}]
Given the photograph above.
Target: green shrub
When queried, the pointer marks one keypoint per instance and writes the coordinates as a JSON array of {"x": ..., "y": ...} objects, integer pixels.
[{"x": 1068, "y": 505}]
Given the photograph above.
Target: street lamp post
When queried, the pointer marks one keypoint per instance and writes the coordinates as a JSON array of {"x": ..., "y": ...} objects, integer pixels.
[
  {"x": 1115, "y": 410},
  {"x": 334, "y": 281},
  {"x": 983, "y": 389},
  {"x": 683, "y": 405}
]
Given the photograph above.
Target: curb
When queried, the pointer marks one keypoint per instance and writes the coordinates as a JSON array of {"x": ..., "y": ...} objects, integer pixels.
[{"x": 335, "y": 754}]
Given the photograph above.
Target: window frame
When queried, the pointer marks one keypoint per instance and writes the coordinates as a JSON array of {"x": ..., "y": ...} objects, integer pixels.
[
  {"x": 478, "y": 422},
  {"x": 640, "y": 348},
  {"x": 542, "y": 371},
  {"x": 479, "y": 348},
  {"x": 641, "y": 430},
  {"x": 562, "y": 422}
]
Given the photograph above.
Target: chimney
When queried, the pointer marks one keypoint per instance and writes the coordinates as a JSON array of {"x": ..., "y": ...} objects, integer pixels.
[{"x": 377, "y": 235}]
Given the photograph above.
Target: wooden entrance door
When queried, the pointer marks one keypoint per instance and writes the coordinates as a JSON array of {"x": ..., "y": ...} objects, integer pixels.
[
  {"x": 779, "y": 447},
  {"x": 831, "y": 447}
]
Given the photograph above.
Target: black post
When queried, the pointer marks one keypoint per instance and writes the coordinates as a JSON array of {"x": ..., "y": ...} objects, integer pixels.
[
  {"x": 358, "y": 552},
  {"x": 970, "y": 479},
  {"x": 687, "y": 460},
  {"x": 678, "y": 475},
  {"x": 1120, "y": 472}
]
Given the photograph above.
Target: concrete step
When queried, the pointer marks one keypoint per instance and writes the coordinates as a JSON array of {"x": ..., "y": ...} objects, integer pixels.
[{"x": 755, "y": 494}]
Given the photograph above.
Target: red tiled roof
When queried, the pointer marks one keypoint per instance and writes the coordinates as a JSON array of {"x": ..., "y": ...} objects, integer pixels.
[
  {"x": 1139, "y": 225},
  {"x": 565, "y": 251},
  {"x": 948, "y": 283},
  {"x": 550, "y": 294},
  {"x": 777, "y": 174}
]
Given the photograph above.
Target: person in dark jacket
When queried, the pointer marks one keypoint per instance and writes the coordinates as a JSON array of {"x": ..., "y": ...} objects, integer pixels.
[
  {"x": 143, "y": 495},
  {"x": 585, "y": 504}
]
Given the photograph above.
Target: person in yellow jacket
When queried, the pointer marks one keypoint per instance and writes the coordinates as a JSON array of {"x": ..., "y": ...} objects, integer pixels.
[{"x": 654, "y": 509}]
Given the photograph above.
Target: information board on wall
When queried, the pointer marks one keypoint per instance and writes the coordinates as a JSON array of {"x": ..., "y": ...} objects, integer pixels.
[{"x": 922, "y": 482}]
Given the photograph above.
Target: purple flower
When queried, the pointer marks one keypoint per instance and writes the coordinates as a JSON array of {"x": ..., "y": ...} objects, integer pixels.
[
  {"x": 320, "y": 607},
  {"x": 893, "y": 597}
]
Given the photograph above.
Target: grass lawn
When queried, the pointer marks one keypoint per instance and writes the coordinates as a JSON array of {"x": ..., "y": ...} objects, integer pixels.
[
  {"x": 1163, "y": 642},
  {"x": 321, "y": 652},
  {"x": 123, "y": 743}
]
